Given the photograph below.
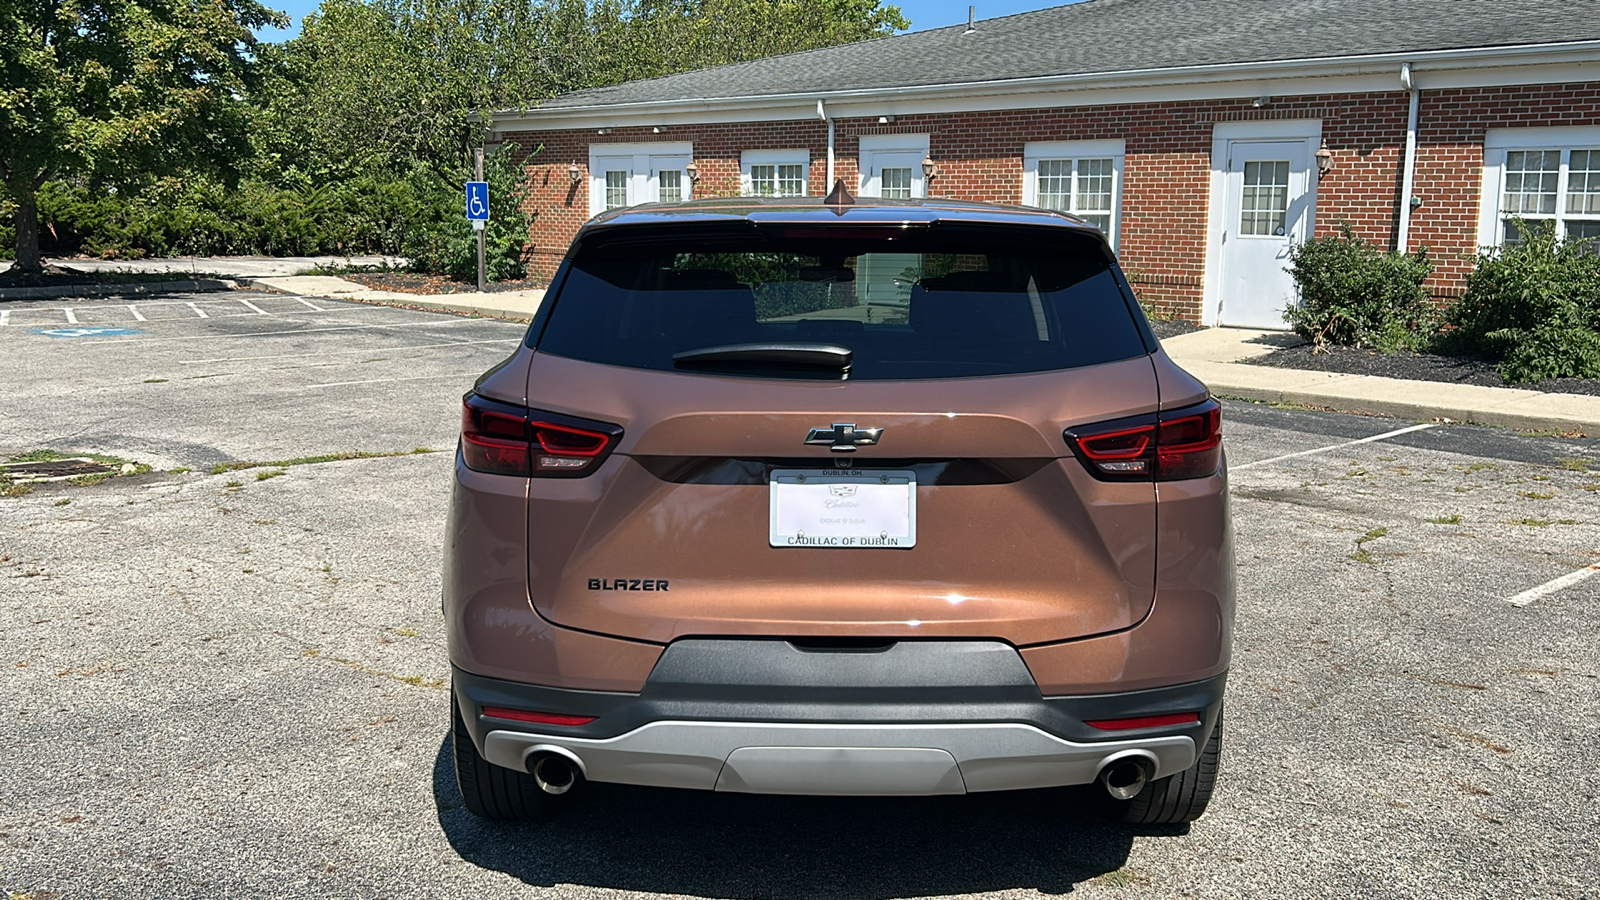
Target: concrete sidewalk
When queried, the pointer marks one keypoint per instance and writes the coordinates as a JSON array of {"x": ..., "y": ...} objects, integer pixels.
[
  {"x": 239, "y": 267},
  {"x": 496, "y": 304},
  {"x": 1214, "y": 356}
]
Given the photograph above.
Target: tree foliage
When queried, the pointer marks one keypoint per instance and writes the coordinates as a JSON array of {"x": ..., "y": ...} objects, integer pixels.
[
  {"x": 150, "y": 111},
  {"x": 116, "y": 91}
]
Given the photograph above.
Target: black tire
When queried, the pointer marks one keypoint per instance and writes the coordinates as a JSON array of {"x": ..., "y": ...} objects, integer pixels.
[
  {"x": 1182, "y": 797},
  {"x": 491, "y": 791}
]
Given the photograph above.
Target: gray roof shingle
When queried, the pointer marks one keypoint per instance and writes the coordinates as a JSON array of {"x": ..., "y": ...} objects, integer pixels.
[{"x": 1107, "y": 36}]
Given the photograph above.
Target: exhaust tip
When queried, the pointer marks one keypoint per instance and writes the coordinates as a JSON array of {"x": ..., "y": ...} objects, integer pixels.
[
  {"x": 1125, "y": 778},
  {"x": 553, "y": 773}
]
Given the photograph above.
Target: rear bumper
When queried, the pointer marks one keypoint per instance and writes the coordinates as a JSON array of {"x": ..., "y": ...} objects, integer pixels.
[{"x": 931, "y": 717}]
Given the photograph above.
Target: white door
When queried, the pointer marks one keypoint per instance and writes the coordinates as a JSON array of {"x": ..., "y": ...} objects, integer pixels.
[
  {"x": 894, "y": 175},
  {"x": 1268, "y": 201},
  {"x": 669, "y": 182},
  {"x": 614, "y": 182}
]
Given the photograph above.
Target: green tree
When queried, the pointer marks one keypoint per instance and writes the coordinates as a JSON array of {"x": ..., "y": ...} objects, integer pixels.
[{"x": 119, "y": 90}]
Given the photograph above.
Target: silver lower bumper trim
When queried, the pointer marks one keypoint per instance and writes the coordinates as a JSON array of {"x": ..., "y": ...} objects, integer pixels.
[{"x": 788, "y": 758}]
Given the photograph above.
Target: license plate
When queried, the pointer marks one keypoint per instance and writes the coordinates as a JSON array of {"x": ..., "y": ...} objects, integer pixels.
[{"x": 852, "y": 508}]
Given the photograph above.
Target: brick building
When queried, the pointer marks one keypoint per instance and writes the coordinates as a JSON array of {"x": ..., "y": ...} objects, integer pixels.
[{"x": 1205, "y": 136}]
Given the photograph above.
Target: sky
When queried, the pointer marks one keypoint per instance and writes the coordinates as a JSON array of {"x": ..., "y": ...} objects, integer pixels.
[{"x": 924, "y": 14}]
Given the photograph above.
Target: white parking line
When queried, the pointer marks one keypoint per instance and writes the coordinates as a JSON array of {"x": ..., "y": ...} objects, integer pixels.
[
  {"x": 387, "y": 380},
  {"x": 253, "y": 306},
  {"x": 310, "y": 304},
  {"x": 72, "y": 318},
  {"x": 101, "y": 342},
  {"x": 1553, "y": 585},
  {"x": 195, "y": 362},
  {"x": 198, "y": 311},
  {"x": 4, "y": 315},
  {"x": 137, "y": 316},
  {"x": 1366, "y": 440}
]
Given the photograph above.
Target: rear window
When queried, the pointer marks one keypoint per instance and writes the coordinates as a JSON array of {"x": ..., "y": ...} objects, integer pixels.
[{"x": 909, "y": 303}]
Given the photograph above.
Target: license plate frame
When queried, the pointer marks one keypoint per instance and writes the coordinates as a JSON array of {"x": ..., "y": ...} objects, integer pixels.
[{"x": 882, "y": 501}]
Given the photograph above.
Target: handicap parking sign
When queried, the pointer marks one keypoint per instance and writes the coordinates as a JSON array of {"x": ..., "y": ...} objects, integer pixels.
[
  {"x": 85, "y": 332},
  {"x": 478, "y": 201}
]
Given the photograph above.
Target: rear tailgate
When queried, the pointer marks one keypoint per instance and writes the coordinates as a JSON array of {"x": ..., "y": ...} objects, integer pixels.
[{"x": 670, "y": 538}]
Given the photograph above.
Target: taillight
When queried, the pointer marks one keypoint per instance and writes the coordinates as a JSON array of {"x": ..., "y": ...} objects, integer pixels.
[
  {"x": 508, "y": 440},
  {"x": 1182, "y": 443}
]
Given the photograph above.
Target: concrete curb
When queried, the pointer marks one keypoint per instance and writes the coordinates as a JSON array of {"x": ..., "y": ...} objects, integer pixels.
[
  {"x": 105, "y": 290},
  {"x": 516, "y": 305},
  {"x": 425, "y": 303},
  {"x": 1215, "y": 356}
]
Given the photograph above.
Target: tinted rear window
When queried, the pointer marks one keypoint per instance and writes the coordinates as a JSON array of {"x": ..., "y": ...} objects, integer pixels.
[{"x": 929, "y": 302}]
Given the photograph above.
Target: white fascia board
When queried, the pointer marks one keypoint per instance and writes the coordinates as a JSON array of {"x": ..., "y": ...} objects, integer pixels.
[{"x": 1433, "y": 70}]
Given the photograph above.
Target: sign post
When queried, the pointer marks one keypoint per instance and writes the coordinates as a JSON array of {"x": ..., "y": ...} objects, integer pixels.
[{"x": 478, "y": 209}]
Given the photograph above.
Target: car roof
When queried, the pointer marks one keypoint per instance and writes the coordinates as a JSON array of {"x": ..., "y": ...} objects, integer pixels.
[{"x": 814, "y": 210}]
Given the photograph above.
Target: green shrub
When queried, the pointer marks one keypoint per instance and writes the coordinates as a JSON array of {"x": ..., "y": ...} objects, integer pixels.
[
  {"x": 445, "y": 242},
  {"x": 1533, "y": 307},
  {"x": 1354, "y": 294}
]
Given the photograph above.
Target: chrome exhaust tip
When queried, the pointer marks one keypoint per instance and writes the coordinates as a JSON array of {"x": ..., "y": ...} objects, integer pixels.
[
  {"x": 1124, "y": 778},
  {"x": 553, "y": 773}
]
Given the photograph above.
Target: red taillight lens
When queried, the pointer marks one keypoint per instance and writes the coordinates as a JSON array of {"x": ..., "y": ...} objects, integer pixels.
[
  {"x": 1144, "y": 722},
  {"x": 1190, "y": 446},
  {"x": 507, "y": 440},
  {"x": 1185, "y": 443},
  {"x": 537, "y": 718}
]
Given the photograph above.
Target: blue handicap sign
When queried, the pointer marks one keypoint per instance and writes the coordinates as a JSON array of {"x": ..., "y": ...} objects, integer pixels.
[
  {"x": 85, "y": 332},
  {"x": 478, "y": 200}
]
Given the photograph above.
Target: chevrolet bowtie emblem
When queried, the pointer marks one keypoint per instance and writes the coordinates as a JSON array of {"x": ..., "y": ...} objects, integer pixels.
[{"x": 843, "y": 437}]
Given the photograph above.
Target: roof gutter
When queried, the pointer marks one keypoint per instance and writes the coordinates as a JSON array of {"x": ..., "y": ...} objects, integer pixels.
[
  {"x": 1467, "y": 58},
  {"x": 1408, "y": 174},
  {"x": 822, "y": 113}
]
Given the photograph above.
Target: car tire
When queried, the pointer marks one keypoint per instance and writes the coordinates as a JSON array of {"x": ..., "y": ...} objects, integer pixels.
[
  {"x": 491, "y": 791},
  {"x": 1179, "y": 798}
]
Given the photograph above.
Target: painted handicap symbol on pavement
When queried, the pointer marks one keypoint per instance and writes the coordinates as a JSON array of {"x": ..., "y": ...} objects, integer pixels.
[{"x": 85, "y": 332}]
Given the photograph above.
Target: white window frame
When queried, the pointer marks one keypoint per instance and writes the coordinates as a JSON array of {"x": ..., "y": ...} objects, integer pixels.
[
  {"x": 912, "y": 145},
  {"x": 1497, "y": 142},
  {"x": 1115, "y": 150},
  {"x": 751, "y": 158},
  {"x": 647, "y": 160}
]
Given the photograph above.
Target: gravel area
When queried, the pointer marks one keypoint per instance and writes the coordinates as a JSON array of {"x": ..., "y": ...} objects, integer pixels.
[{"x": 1413, "y": 366}]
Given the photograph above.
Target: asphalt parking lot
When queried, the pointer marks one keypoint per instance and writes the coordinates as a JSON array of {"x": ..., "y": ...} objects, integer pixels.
[{"x": 232, "y": 684}]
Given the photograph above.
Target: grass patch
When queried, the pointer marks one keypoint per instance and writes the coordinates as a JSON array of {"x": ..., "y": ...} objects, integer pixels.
[
  {"x": 155, "y": 381},
  {"x": 271, "y": 473},
  {"x": 8, "y": 489},
  {"x": 1536, "y": 523},
  {"x": 1452, "y": 519},
  {"x": 313, "y": 460},
  {"x": 63, "y": 502},
  {"x": 1362, "y": 555},
  {"x": 1535, "y": 495},
  {"x": 1574, "y": 464},
  {"x": 233, "y": 484},
  {"x": 413, "y": 680}
]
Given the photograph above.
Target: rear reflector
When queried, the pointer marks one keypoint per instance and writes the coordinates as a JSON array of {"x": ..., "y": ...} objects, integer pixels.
[
  {"x": 537, "y": 718},
  {"x": 508, "y": 440},
  {"x": 1144, "y": 722},
  {"x": 1183, "y": 443}
]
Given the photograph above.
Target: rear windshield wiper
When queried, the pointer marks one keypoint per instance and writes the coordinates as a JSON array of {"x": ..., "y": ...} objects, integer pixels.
[{"x": 805, "y": 360}]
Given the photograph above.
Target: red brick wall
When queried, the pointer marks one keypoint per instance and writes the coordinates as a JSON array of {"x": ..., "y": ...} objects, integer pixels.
[{"x": 1166, "y": 175}]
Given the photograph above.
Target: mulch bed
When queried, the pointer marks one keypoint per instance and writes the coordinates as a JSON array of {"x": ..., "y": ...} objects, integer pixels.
[
  {"x": 56, "y": 276},
  {"x": 1416, "y": 367},
  {"x": 413, "y": 283},
  {"x": 1166, "y": 328}
]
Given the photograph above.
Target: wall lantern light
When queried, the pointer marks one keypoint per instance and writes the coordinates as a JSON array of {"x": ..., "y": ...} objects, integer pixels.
[
  {"x": 929, "y": 170},
  {"x": 1324, "y": 160},
  {"x": 693, "y": 171},
  {"x": 573, "y": 172}
]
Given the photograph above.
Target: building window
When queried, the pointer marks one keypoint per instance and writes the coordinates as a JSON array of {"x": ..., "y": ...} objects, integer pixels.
[
  {"x": 669, "y": 185},
  {"x": 774, "y": 173},
  {"x": 896, "y": 182},
  {"x": 616, "y": 188},
  {"x": 1081, "y": 178},
  {"x": 1542, "y": 175}
]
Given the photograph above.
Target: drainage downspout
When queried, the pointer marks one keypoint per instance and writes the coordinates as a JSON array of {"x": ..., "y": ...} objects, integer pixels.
[
  {"x": 1409, "y": 173},
  {"x": 822, "y": 113}
]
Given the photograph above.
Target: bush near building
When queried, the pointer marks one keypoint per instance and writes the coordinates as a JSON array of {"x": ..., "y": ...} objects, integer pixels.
[
  {"x": 1533, "y": 307},
  {"x": 1354, "y": 294}
]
